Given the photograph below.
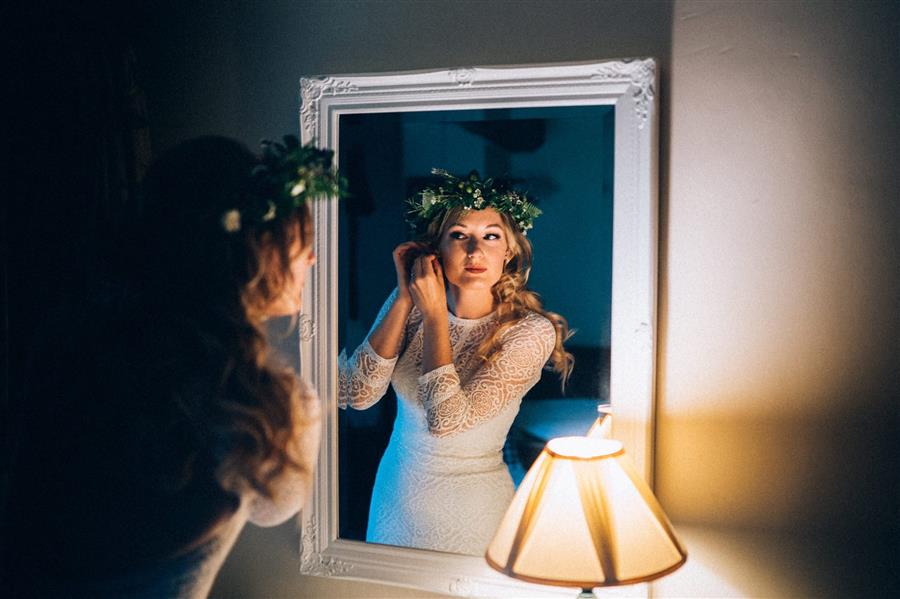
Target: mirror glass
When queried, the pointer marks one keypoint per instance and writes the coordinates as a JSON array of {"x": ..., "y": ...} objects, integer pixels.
[{"x": 562, "y": 157}]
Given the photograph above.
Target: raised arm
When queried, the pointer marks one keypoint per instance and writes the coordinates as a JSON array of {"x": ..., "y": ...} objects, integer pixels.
[
  {"x": 452, "y": 408},
  {"x": 365, "y": 376}
]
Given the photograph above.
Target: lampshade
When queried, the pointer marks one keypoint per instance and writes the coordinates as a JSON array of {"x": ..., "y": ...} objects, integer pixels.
[
  {"x": 602, "y": 427},
  {"x": 584, "y": 517}
]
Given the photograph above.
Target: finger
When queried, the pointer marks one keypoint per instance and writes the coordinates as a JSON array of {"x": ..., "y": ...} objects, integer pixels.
[
  {"x": 403, "y": 248},
  {"x": 438, "y": 268},
  {"x": 400, "y": 252},
  {"x": 421, "y": 266},
  {"x": 429, "y": 266}
]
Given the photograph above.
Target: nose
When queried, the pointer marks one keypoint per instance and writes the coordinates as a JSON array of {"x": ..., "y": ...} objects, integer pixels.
[{"x": 473, "y": 247}]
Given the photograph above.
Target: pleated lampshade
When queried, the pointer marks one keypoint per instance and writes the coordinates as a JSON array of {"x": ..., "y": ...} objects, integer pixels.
[
  {"x": 584, "y": 517},
  {"x": 602, "y": 427}
]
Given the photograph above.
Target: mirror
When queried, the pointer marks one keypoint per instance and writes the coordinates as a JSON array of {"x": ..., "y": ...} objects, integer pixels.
[
  {"x": 387, "y": 157},
  {"x": 580, "y": 140}
]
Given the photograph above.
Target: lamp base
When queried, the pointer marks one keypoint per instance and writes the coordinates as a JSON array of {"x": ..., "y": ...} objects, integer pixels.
[{"x": 587, "y": 594}]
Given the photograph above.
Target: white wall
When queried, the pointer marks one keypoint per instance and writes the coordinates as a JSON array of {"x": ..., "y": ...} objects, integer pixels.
[
  {"x": 779, "y": 290},
  {"x": 779, "y": 283},
  {"x": 778, "y": 365}
]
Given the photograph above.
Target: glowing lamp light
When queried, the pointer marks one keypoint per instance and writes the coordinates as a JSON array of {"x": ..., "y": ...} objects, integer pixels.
[{"x": 584, "y": 517}]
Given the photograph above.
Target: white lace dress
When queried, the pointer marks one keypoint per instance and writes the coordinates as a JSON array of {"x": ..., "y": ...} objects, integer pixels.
[{"x": 442, "y": 483}]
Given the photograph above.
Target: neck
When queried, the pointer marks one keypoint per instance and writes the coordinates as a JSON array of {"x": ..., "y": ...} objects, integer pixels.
[{"x": 469, "y": 303}]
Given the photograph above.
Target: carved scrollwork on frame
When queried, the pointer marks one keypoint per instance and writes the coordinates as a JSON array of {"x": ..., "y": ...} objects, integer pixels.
[
  {"x": 331, "y": 107},
  {"x": 463, "y": 587},
  {"x": 314, "y": 563},
  {"x": 312, "y": 90},
  {"x": 307, "y": 328},
  {"x": 641, "y": 74},
  {"x": 462, "y": 77}
]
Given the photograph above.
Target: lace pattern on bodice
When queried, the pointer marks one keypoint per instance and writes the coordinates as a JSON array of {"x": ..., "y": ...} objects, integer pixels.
[
  {"x": 441, "y": 483},
  {"x": 456, "y": 397},
  {"x": 453, "y": 404}
]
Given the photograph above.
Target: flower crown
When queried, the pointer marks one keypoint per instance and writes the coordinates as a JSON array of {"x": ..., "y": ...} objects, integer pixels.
[
  {"x": 287, "y": 175},
  {"x": 470, "y": 193}
]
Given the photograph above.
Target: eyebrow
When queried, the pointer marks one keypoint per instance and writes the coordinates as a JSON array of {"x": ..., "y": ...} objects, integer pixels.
[{"x": 458, "y": 224}]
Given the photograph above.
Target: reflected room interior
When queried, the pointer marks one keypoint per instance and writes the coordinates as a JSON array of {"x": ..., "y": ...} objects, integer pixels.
[{"x": 562, "y": 157}]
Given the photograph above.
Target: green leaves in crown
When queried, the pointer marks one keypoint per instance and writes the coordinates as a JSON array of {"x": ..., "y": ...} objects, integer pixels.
[
  {"x": 469, "y": 193},
  {"x": 287, "y": 176}
]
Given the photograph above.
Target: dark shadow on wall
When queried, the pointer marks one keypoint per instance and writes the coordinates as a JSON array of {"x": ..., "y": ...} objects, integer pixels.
[{"x": 76, "y": 144}]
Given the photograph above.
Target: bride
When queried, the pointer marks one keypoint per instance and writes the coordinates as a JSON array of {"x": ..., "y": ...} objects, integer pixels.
[{"x": 462, "y": 340}]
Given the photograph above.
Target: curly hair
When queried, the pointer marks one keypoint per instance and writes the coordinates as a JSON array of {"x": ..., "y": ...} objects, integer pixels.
[
  {"x": 512, "y": 298},
  {"x": 212, "y": 288}
]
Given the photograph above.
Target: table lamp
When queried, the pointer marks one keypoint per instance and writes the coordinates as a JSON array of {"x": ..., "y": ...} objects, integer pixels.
[
  {"x": 584, "y": 517},
  {"x": 602, "y": 427}
]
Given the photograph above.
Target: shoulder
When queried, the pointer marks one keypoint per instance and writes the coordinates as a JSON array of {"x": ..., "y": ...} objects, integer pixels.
[
  {"x": 308, "y": 399},
  {"x": 306, "y": 391},
  {"x": 532, "y": 337},
  {"x": 534, "y": 326}
]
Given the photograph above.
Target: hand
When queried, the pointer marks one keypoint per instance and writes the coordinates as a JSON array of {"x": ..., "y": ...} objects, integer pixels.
[
  {"x": 426, "y": 286},
  {"x": 402, "y": 264}
]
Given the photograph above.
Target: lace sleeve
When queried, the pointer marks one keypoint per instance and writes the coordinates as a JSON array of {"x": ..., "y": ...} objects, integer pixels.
[
  {"x": 364, "y": 377},
  {"x": 452, "y": 408},
  {"x": 292, "y": 487}
]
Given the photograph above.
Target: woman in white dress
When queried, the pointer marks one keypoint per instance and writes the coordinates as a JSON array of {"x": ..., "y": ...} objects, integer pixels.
[{"x": 462, "y": 340}]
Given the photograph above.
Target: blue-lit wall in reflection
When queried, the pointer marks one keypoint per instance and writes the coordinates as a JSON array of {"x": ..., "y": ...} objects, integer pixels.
[{"x": 563, "y": 158}]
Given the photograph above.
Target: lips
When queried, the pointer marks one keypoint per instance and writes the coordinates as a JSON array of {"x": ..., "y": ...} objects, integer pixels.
[{"x": 475, "y": 269}]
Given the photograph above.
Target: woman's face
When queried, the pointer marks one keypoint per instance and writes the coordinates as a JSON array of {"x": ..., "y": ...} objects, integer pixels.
[
  {"x": 474, "y": 249},
  {"x": 291, "y": 299}
]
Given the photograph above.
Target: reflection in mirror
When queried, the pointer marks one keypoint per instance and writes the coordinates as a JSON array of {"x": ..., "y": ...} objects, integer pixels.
[{"x": 562, "y": 157}]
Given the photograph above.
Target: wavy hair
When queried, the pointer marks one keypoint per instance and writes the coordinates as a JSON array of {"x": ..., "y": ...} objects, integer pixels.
[
  {"x": 211, "y": 288},
  {"x": 512, "y": 297}
]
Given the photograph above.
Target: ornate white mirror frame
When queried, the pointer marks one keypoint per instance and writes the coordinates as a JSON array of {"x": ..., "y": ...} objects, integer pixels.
[{"x": 630, "y": 87}]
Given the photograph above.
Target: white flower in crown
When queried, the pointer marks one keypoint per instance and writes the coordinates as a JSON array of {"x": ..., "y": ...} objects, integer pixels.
[
  {"x": 231, "y": 221},
  {"x": 428, "y": 199},
  {"x": 471, "y": 193},
  {"x": 299, "y": 188},
  {"x": 270, "y": 213}
]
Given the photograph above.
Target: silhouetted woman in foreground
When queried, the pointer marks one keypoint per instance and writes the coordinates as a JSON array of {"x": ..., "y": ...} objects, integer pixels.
[{"x": 158, "y": 425}]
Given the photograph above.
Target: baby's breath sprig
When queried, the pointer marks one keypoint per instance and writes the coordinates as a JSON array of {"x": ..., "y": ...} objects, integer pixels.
[
  {"x": 287, "y": 176},
  {"x": 469, "y": 193}
]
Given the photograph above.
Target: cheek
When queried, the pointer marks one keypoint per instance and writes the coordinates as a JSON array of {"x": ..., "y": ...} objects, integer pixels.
[
  {"x": 299, "y": 270},
  {"x": 300, "y": 274},
  {"x": 498, "y": 256},
  {"x": 451, "y": 255}
]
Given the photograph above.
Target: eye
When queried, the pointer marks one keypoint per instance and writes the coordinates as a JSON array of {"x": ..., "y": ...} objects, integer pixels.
[
  {"x": 457, "y": 235},
  {"x": 492, "y": 236}
]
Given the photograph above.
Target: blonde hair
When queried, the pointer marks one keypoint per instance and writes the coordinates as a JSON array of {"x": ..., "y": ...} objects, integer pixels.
[
  {"x": 269, "y": 257},
  {"x": 273, "y": 429},
  {"x": 513, "y": 299}
]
